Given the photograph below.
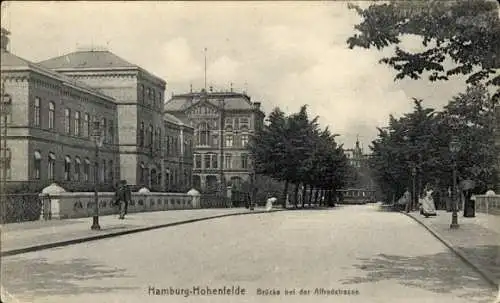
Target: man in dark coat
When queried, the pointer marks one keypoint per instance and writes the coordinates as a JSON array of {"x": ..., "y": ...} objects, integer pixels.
[{"x": 122, "y": 198}]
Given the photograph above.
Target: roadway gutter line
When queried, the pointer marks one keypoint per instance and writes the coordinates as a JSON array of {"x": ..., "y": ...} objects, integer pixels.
[
  {"x": 121, "y": 233},
  {"x": 483, "y": 272}
]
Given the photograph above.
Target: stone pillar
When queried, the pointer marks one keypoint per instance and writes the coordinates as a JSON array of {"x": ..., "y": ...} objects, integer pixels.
[{"x": 51, "y": 208}]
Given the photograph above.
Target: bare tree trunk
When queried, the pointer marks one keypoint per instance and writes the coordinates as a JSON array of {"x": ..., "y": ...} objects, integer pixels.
[
  {"x": 311, "y": 188},
  {"x": 304, "y": 194},
  {"x": 296, "y": 195},
  {"x": 316, "y": 195},
  {"x": 285, "y": 193}
]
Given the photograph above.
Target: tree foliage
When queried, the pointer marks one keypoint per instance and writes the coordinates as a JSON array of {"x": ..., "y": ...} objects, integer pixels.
[
  {"x": 466, "y": 32},
  {"x": 295, "y": 150},
  {"x": 421, "y": 139}
]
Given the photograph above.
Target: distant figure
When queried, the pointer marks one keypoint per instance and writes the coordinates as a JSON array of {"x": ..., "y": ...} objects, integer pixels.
[
  {"x": 427, "y": 206},
  {"x": 269, "y": 202},
  {"x": 122, "y": 198}
]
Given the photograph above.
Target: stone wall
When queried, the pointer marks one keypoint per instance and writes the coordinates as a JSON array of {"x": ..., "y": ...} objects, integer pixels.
[{"x": 59, "y": 204}]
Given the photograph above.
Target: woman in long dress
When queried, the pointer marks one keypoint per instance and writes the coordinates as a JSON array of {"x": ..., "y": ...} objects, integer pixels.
[
  {"x": 269, "y": 202},
  {"x": 427, "y": 205}
]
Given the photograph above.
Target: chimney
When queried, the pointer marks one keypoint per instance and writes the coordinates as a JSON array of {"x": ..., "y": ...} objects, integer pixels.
[
  {"x": 4, "y": 39},
  {"x": 256, "y": 105}
]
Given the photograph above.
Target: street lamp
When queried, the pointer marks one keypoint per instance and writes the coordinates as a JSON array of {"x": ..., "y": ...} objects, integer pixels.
[
  {"x": 98, "y": 139},
  {"x": 454, "y": 149}
]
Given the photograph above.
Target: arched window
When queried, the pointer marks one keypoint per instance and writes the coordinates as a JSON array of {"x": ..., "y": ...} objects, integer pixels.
[
  {"x": 37, "y": 164},
  {"x": 86, "y": 125},
  {"x": 78, "y": 163},
  {"x": 159, "y": 139},
  {"x": 67, "y": 121},
  {"x": 142, "y": 173},
  {"x": 67, "y": 168},
  {"x": 36, "y": 120},
  {"x": 141, "y": 135},
  {"x": 86, "y": 170},
  {"x": 150, "y": 136},
  {"x": 51, "y": 166},
  {"x": 52, "y": 115},
  {"x": 77, "y": 123},
  {"x": 203, "y": 133}
]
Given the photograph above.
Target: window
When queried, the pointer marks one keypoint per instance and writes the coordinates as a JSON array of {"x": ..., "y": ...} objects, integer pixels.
[
  {"x": 86, "y": 125},
  {"x": 67, "y": 121},
  {"x": 52, "y": 115},
  {"x": 77, "y": 168},
  {"x": 103, "y": 171},
  {"x": 229, "y": 140},
  {"x": 37, "y": 165},
  {"x": 103, "y": 129},
  {"x": 142, "y": 173},
  {"x": 228, "y": 161},
  {"x": 77, "y": 123},
  {"x": 215, "y": 140},
  {"x": 214, "y": 160},
  {"x": 203, "y": 134},
  {"x": 228, "y": 123},
  {"x": 7, "y": 162},
  {"x": 141, "y": 93},
  {"x": 67, "y": 168},
  {"x": 159, "y": 139},
  {"x": 244, "y": 123},
  {"x": 244, "y": 140},
  {"x": 153, "y": 94},
  {"x": 111, "y": 171},
  {"x": 150, "y": 136},
  {"x": 207, "y": 161},
  {"x": 51, "y": 166},
  {"x": 244, "y": 161},
  {"x": 36, "y": 120},
  {"x": 111, "y": 134},
  {"x": 149, "y": 94},
  {"x": 86, "y": 170},
  {"x": 160, "y": 101},
  {"x": 141, "y": 135},
  {"x": 197, "y": 161}
]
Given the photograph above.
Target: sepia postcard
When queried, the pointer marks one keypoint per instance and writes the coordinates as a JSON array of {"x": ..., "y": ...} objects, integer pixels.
[{"x": 250, "y": 151}]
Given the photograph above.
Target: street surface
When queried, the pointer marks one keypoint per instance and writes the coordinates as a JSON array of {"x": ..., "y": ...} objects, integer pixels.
[{"x": 375, "y": 256}]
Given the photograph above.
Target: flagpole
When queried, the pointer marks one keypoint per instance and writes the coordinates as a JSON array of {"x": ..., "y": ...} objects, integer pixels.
[{"x": 205, "y": 68}]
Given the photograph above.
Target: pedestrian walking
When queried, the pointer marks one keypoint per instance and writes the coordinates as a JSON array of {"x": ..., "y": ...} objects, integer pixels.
[{"x": 122, "y": 198}]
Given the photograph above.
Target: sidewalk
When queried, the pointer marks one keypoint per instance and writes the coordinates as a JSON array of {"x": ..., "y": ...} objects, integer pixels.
[
  {"x": 17, "y": 238},
  {"x": 476, "y": 241}
]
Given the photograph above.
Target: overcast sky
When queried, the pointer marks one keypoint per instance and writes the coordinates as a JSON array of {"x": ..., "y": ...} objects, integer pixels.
[{"x": 287, "y": 53}]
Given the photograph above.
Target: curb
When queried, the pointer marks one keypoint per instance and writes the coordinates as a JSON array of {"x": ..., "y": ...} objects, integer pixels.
[
  {"x": 122, "y": 233},
  {"x": 484, "y": 273}
]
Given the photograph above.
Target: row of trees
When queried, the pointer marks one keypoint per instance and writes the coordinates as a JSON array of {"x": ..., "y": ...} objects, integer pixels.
[
  {"x": 421, "y": 139},
  {"x": 293, "y": 149}
]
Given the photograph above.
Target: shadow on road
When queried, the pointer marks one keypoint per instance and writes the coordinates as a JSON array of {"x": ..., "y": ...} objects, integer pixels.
[
  {"x": 34, "y": 278},
  {"x": 438, "y": 273}
]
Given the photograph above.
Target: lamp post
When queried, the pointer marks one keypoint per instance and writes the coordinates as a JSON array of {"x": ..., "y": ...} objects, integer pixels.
[
  {"x": 414, "y": 196},
  {"x": 454, "y": 149},
  {"x": 98, "y": 141}
]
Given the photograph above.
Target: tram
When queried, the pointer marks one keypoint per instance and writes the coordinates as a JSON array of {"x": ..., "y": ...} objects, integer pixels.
[{"x": 355, "y": 196}]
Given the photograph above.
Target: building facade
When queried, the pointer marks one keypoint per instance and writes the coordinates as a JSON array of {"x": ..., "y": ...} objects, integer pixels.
[
  {"x": 49, "y": 125},
  {"x": 223, "y": 123},
  {"x": 54, "y": 103}
]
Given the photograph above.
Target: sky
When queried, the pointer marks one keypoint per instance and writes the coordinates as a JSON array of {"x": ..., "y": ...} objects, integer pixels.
[{"x": 282, "y": 54}]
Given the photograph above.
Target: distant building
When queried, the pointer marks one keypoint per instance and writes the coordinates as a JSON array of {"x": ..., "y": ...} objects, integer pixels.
[
  {"x": 222, "y": 121},
  {"x": 54, "y": 103},
  {"x": 358, "y": 160}
]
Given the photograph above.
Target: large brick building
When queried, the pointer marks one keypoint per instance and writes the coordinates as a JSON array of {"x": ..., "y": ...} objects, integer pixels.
[
  {"x": 207, "y": 112},
  {"x": 54, "y": 103}
]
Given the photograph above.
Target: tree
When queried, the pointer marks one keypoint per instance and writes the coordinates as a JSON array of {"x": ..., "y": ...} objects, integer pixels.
[{"x": 465, "y": 32}]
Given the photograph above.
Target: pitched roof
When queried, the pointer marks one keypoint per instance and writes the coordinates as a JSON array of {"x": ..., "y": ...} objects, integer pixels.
[
  {"x": 11, "y": 62},
  {"x": 233, "y": 101},
  {"x": 87, "y": 59}
]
